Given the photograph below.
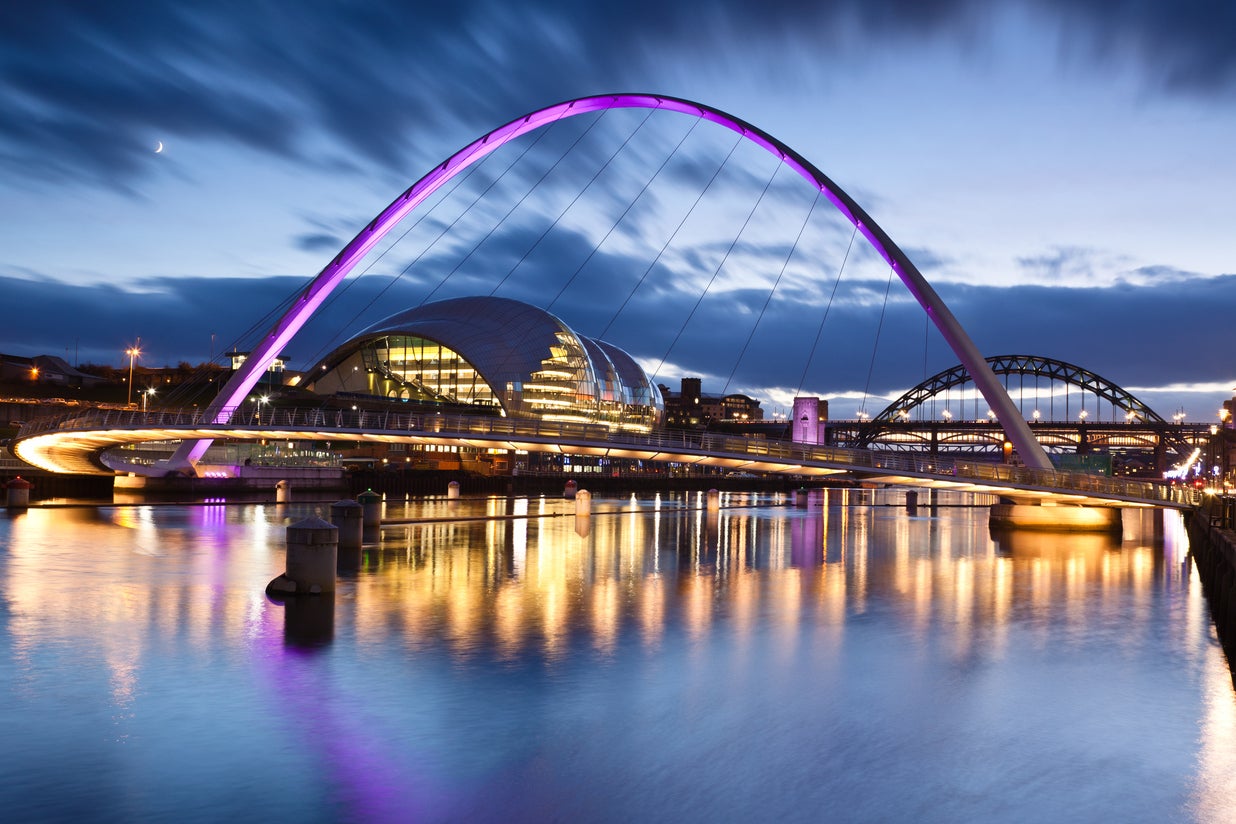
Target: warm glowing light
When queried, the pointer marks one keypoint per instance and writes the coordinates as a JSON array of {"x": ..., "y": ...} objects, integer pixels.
[{"x": 133, "y": 352}]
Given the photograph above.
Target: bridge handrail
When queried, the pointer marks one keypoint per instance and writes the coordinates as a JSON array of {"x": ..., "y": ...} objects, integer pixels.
[{"x": 736, "y": 447}]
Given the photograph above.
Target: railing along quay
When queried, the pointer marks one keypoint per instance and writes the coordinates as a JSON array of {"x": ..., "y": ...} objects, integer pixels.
[{"x": 447, "y": 426}]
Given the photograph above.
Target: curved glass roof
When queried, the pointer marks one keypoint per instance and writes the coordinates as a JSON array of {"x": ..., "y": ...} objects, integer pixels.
[{"x": 535, "y": 365}]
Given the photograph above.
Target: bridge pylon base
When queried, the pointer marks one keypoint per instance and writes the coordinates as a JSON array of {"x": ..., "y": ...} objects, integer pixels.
[{"x": 1056, "y": 518}]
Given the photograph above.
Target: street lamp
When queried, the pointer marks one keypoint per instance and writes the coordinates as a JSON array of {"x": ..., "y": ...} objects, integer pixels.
[
  {"x": 146, "y": 395},
  {"x": 1213, "y": 467},
  {"x": 947, "y": 415},
  {"x": 133, "y": 351}
]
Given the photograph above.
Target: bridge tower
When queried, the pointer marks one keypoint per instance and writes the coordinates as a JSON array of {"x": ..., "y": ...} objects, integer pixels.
[{"x": 809, "y": 423}]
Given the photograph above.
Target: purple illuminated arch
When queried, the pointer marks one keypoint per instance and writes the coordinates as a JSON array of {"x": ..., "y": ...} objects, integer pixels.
[{"x": 234, "y": 392}]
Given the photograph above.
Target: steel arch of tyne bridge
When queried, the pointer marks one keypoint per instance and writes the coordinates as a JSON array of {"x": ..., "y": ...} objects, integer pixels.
[{"x": 1053, "y": 370}]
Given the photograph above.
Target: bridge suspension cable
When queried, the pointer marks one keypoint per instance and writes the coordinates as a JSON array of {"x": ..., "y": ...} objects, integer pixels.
[
  {"x": 643, "y": 190},
  {"x": 768, "y": 300},
  {"x": 573, "y": 201},
  {"x": 802, "y": 380},
  {"x": 875, "y": 346},
  {"x": 717, "y": 270}
]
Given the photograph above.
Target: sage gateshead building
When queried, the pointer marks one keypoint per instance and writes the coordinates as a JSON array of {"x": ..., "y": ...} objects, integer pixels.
[{"x": 493, "y": 355}]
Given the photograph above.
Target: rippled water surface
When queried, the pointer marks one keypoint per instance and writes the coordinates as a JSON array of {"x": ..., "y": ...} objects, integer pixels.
[{"x": 501, "y": 660}]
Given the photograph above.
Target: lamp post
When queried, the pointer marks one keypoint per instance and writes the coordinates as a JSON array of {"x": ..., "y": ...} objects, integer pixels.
[
  {"x": 1213, "y": 463},
  {"x": 263, "y": 399},
  {"x": 146, "y": 395},
  {"x": 133, "y": 351}
]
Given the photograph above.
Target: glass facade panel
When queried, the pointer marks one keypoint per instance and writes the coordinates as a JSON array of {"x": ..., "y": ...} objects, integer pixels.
[{"x": 415, "y": 368}]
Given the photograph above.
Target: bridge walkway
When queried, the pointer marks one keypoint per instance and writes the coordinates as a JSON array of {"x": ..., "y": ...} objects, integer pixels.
[{"x": 77, "y": 443}]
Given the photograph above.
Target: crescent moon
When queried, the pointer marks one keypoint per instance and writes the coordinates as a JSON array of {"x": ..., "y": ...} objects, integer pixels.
[{"x": 159, "y": 148}]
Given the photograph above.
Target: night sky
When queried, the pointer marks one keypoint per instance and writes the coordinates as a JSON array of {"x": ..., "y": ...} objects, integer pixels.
[{"x": 1063, "y": 172}]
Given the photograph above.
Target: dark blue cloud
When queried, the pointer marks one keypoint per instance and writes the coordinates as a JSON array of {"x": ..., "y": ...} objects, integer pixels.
[
  {"x": 319, "y": 242},
  {"x": 862, "y": 344},
  {"x": 90, "y": 86}
]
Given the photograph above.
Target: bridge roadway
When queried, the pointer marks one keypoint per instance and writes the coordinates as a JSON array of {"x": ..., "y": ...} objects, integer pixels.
[{"x": 77, "y": 443}]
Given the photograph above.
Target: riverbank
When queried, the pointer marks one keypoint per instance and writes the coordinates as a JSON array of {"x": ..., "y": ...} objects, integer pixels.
[{"x": 1212, "y": 543}]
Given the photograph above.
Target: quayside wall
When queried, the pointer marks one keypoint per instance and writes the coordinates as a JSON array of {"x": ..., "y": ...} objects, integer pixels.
[{"x": 1212, "y": 543}]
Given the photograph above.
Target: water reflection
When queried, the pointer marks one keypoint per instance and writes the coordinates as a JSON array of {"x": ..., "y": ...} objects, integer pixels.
[
  {"x": 848, "y": 633},
  {"x": 308, "y": 620}
]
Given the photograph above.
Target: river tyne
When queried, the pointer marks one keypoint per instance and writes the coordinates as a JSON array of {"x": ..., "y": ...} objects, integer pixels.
[{"x": 500, "y": 660}]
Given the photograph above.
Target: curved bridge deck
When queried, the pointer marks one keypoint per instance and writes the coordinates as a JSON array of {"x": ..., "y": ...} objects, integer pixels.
[{"x": 77, "y": 443}]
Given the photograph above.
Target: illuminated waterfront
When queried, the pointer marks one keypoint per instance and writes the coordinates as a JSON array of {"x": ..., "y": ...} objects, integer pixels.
[{"x": 844, "y": 663}]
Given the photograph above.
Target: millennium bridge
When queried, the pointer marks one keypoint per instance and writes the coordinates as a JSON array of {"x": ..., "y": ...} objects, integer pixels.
[{"x": 97, "y": 442}]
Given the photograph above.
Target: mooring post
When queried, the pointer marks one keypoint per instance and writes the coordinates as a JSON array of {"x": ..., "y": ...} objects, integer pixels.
[
  {"x": 348, "y": 517},
  {"x": 18, "y": 494},
  {"x": 312, "y": 553}
]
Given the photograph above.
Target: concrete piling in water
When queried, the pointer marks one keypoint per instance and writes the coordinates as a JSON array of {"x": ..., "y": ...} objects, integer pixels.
[
  {"x": 801, "y": 497},
  {"x": 713, "y": 500},
  {"x": 283, "y": 492},
  {"x": 371, "y": 508},
  {"x": 348, "y": 517},
  {"x": 452, "y": 490},
  {"x": 583, "y": 513},
  {"x": 312, "y": 553},
  {"x": 912, "y": 502},
  {"x": 17, "y": 495},
  {"x": 569, "y": 490}
]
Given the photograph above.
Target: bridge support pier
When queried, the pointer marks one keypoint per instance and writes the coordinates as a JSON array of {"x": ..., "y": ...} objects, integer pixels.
[{"x": 1055, "y": 518}]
